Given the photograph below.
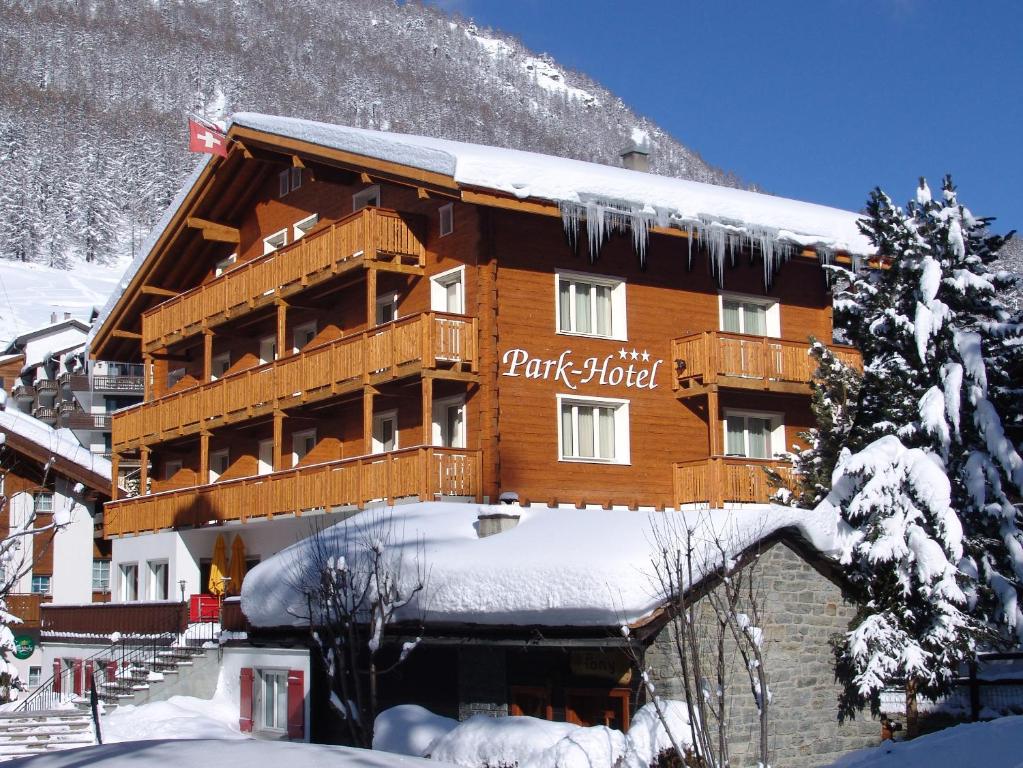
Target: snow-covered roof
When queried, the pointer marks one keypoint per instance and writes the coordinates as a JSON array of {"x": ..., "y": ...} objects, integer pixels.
[
  {"x": 59, "y": 443},
  {"x": 557, "y": 567}
]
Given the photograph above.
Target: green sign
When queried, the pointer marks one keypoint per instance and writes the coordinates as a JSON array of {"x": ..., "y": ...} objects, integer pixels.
[{"x": 24, "y": 646}]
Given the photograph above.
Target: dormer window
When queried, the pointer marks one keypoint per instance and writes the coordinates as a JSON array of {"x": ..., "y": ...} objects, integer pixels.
[
  {"x": 288, "y": 180},
  {"x": 275, "y": 241},
  {"x": 224, "y": 264},
  {"x": 302, "y": 228}
]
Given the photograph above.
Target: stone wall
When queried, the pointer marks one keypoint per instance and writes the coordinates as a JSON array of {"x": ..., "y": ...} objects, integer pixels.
[{"x": 802, "y": 611}]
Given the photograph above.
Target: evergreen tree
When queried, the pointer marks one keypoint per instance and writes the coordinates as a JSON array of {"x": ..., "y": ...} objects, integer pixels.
[{"x": 933, "y": 541}]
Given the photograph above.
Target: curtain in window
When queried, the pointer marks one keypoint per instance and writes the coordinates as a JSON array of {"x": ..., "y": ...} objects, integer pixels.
[
  {"x": 451, "y": 297},
  {"x": 607, "y": 433},
  {"x": 759, "y": 438},
  {"x": 755, "y": 319},
  {"x": 586, "y": 428},
  {"x": 735, "y": 435},
  {"x": 565, "y": 305},
  {"x": 603, "y": 307},
  {"x": 730, "y": 320},
  {"x": 583, "y": 308},
  {"x": 567, "y": 448}
]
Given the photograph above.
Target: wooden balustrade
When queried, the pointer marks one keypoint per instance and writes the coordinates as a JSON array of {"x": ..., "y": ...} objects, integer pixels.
[
  {"x": 419, "y": 342},
  {"x": 368, "y": 236},
  {"x": 423, "y": 471},
  {"x": 26, "y": 606},
  {"x": 106, "y": 618},
  {"x": 722, "y": 479},
  {"x": 748, "y": 362}
]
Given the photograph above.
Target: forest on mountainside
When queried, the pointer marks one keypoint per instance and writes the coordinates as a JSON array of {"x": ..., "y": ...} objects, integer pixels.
[{"x": 94, "y": 94}]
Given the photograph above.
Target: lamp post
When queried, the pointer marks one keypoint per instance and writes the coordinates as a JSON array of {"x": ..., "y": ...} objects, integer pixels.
[{"x": 181, "y": 586}]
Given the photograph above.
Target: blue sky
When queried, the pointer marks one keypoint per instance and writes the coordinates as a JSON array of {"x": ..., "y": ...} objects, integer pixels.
[{"x": 819, "y": 101}]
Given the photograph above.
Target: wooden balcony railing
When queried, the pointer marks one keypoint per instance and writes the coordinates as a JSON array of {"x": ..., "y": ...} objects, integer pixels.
[
  {"x": 26, "y": 606},
  {"x": 75, "y": 419},
  {"x": 423, "y": 471},
  {"x": 103, "y": 619},
  {"x": 722, "y": 479},
  {"x": 371, "y": 235},
  {"x": 400, "y": 348},
  {"x": 748, "y": 362}
]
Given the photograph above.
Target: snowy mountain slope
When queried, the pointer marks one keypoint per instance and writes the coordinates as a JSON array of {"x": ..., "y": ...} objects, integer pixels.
[{"x": 111, "y": 152}]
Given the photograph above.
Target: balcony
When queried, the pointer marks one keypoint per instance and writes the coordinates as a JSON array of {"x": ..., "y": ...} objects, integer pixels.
[
  {"x": 26, "y": 606},
  {"x": 24, "y": 392},
  {"x": 45, "y": 414},
  {"x": 78, "y": 419},
  {"x": 428, "y": 341},
  {"x": 719, "y": 358},
  {"x": 46, "y": 387},
  {"x": 726, "y": 479},
  {"x": 77, "y": 382},
  {"x": 424, "y": 471},
  {"x": 371, "y": 237}
]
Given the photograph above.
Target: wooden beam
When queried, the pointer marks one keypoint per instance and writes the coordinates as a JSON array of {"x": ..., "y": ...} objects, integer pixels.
[
  {"x": 296, "y": 162},
  {"x": 243, "y": 149},
  {"x": 366, "y": 178},
  {"x": 152, "y": 290},
  {"x": 117, "y": 333},
  {"x": 422, "y": 193},
  {"x": 512, "y": 203},
  {"x": 212, "y": 230}
]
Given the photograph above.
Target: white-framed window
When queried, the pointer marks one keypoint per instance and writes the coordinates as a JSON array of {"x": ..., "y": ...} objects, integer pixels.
[
  {"x": 367, "y": 196},
  {"x": 272, "y": 699},
  {"x": 297, "y": 177},
  {"x": 219, "y": 462},
  {"x": 171, "y": 467},
  {"x": 284, "y": 182},
  {"x": 42, "y": 503},
  {"x": 590, "y": 305},
  {"x": 302, "y": 335},
  {"x": 100, "y": 575},
  {"x": 447, "y": 291},
  {"x": 302, "y": 227},
  {"x": 41, "y": 584},
  {"x": 449, "y": 422},
  {"x": 129, "y": 588},
  {"x": 224, "y": 264},
  {"x": 751, "y": 315},
  {"x": 275, "y": 241},
  {"x": 220, "y": 365},
  {"x": 385, "y": 431},
  {"x": 447, "y": 219},
  {"x": 593, "y": 429},
  {"x": 387, "y": 308},
  {"x": 35, "y": 676},
  {"x": 265, "y": 460},
  {"x": 267, "y": 349},
  {"x": 158, "y": 579},
  {"x": 754, "y": 435},
  {"x": 301, "y": 444}
]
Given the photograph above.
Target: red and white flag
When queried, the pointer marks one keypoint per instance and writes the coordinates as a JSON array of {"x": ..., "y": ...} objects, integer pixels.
[{"x": 206, "y": 138}]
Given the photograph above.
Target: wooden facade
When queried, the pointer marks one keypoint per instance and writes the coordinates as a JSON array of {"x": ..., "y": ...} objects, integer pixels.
[{"x": 305, "y": 353}]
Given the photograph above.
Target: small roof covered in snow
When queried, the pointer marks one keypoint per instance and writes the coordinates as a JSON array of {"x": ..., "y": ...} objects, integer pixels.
[
  {"x": 41, "y": 441},
  {"x": 557, "y": 567}
]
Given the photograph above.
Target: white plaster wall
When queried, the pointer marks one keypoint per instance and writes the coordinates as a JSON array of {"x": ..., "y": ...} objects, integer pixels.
[
  {"x": 234, "y": 659},
  {"x": 72, "y": 551}
]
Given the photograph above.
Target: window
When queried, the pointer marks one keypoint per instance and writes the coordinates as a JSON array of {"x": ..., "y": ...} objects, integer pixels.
[
  {"x": 174, "y": 376},
  {"x": 170, "y": 468},
  {"x": 387, "y": 308},
  {"x": 447, "y": 292},
  {"x": 40, "y": 585},
  {"x": 100, "y": 575},
  {"x": 35, "y": 676},
  {"x": 219, "y": 365},
  {"x": 219, "y": 461},
  {"x": 275, "y": 241},
  {"x": 158, "y": 580},
  {"x": 449, "y": 422},
  {"x": 447, "y": 219},
  {"x": 267, "y": 349},
  {"x": 302, "y": 335},
  {"x": 301, "y": 228},
  {"x": 129, "y": 582},
  {"x": 752, "y": 316},
  {"x": 266, "y": 457},
  {"x": 385, "y": 431},
  {"x": 224, "y": 264},
  {"x": 296, "y": 178},
  {"x": 43, "y": 503},
  {"x": 590, "y": 305},
  {"x": 272, "y": 699},
  {"x": 753, "y": 435},
  {"x": 283, "y": 182},
  {"x": 593, "y": 429},
  {"x": 368, "y": 196},
  {"x": 301, "y": 444}
]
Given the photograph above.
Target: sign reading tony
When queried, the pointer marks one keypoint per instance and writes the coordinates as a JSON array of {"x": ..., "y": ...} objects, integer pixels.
[{"x": 629, "y": 368}]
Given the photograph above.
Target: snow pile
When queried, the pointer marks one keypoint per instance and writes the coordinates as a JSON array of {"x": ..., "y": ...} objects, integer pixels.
[
  {"x": 524, "y": 575},
  {"x": 528, "y": 742},
  {"x": 180, "y": 717},
  {"x": 59, "y": 443}
]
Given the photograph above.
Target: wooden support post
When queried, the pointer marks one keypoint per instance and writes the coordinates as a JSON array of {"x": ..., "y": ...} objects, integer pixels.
[
  {"x": 278, "y": 440},
  {"x": 371, "y": 297},
  {"x": 282, "y": 326},
  {"x": 715, "y": 482},
  {"x": 207, "y": 354},
  {"x": 712, "y": 349},
  {"x": 367, "y": 419},
  {"x": 427, "y": 410},
  {"x": 713, "y": 423},
  {"x": 147, "y": 378},
  {"x": 143, "y": 470},
  {"x": 204, "y": 458},
  {"x": 115, "y": 466}
]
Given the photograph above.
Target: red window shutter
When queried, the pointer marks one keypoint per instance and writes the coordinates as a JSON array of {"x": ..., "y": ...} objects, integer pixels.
[
  {"x": 245, "y": 701},
  {"x": 111, "y": 671},
  {"x": 78, "y": 677},
  {"x": 296, "y": 704},
  {"x": 88, "y": 676},
  {"x": 56, "y": 675}
]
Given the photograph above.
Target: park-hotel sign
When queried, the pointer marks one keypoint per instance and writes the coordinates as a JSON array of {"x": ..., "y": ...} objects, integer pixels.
[{"x": 630, "y": 368}]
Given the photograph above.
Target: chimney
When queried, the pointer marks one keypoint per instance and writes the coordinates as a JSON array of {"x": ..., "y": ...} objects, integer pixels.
[
  {"x": 67, "y": 315},
  {"x": 53, "y": 318},
  {"x": 499, "y": 519},
  {"x": 636, "y": 157}
]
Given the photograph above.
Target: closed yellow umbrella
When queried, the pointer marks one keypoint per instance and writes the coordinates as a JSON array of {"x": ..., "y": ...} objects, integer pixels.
[
  {"x": 218, "y": 568},
  {"x": 237, "y": 569}
]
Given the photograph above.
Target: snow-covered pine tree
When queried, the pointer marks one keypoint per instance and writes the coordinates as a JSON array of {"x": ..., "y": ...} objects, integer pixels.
[
  {"x": 928, "y": 321},
  {"x": 835, "y": 388}
]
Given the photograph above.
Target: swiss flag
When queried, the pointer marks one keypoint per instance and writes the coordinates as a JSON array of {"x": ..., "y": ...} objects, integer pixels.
[{"x": 206, "y": 138}]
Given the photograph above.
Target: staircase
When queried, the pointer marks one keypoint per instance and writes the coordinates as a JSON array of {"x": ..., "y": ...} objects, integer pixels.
[
  {"x": 139, "y": 679},
  {"x": 44, "y": 730}
]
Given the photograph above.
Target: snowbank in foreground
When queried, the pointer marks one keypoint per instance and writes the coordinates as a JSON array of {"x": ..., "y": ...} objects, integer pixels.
[
  {"x": 180, "y": 717},
  {"x": 994, "y": 744},
  {"x": 527, "y": 742}
]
